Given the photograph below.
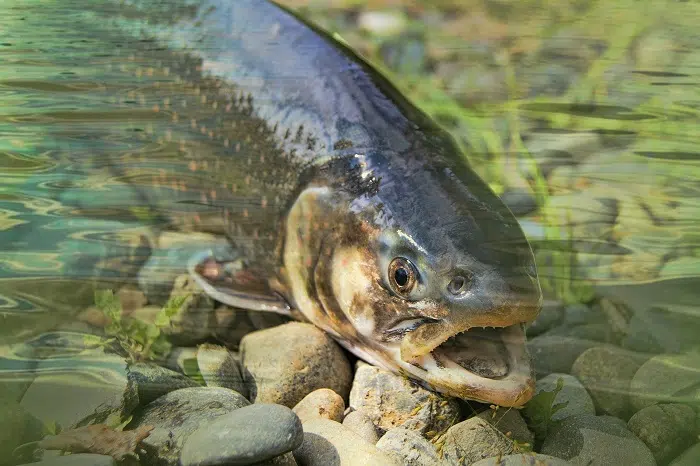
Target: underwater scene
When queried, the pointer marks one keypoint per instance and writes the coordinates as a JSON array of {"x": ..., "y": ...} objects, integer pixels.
[{"x": 349, "y": 232}]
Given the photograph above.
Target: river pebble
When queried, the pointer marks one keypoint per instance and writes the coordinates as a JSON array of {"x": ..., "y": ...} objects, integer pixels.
[
  {"x": 606, "y": 373},
  {"x": 573, "y": 393},
  {"x": 18, "y": 427},
  {"x": 660, "y": 330},
  {"x": 179, "y": 413},
  {"x": 283, "y": 364},
  {"x": 182, "y": 359},
  {"x": 330, "y": 443},
  {"x": 510, "y": 423},
  {"x": 153, "y": 381},
  {"x": 322, "y": 403},
  {"x": 93, "y": 385},
  {"x": 359, "y": 423},
  {"x": 555, "y": 353},
  {"x": 599, "y": 440},
  {"x": 219, "y": 368},
  {"x": 80, "y": 459},
  {"x": 282, "y": 460},
  {"x": 473, "y": 440},
  {"x": 245, "y": 436},
  {"x": 194, "y": 320},
  {"x": 523, "y": 459},
  {"x": 667, "y": 377},
  {"x": 408, "y": 447},
  {"x": 690, "y": 457},
  {"x": 18, "y": 371},
  {"x": 391, "y": 400},
  {"x": 667, "y": 429},
  {"x": 551, "y": 314}
]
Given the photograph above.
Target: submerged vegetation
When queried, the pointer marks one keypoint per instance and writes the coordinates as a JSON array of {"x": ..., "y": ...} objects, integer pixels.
[{"x": 141, "y": 340}]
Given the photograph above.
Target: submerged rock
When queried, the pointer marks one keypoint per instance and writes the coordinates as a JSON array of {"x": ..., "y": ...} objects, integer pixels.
[
  {"x": 153, "y": 381},
  {"x": 322, "y": 403},
  {"x": 219, "y": 368},
  {"x": 473, "y": 440},
  {"x": 391, "y": 400},
  {"x": 409, "y": 448},
  {"x": 587, "y": 439},
  {"x": 91, "y": 386},
  {"x": 358, "y": 422},
  {"x": 572, "y": 392},
  {"x": 667, "y": 378},
  {"x": 284, "y": 364},
  {"x": 179, "y": 413},
  {"x": 247, "y": 435},
  {"x": 667, "y": 429},
  {"x": 330, "y": 443}
]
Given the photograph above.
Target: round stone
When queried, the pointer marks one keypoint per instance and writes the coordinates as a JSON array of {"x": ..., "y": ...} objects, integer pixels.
[
  {"x": 247, "y": 435},
  {"x": 282, "y": 365},
  {"x": 324, "y": 403},
  {"x": 588, "y": 439},
  {"x": 178, "y": 414}
]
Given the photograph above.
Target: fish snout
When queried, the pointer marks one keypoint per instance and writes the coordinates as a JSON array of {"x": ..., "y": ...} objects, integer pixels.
[{"x": 492, "y": 299}]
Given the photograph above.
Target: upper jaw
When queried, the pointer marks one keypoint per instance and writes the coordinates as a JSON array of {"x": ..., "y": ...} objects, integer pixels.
[{"x": 440, "y": 370}]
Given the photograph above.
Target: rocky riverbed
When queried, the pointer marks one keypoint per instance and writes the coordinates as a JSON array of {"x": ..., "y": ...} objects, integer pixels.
[{"x": 252, "y": 388}]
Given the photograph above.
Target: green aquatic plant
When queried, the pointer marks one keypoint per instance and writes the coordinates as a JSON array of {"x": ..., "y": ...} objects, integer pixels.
[
  {"x": 541, "y": 408},
  {"x": 139, "y": 339}
]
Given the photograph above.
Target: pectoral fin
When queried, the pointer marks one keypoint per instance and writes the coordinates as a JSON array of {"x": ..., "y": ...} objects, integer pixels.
[{"x": 228, "y": 282}]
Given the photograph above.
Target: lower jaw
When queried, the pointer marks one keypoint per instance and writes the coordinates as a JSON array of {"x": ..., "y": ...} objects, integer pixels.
[{"x": 513, "y": 389}]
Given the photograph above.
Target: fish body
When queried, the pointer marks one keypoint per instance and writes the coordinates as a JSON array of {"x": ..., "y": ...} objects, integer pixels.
[{"x": 350, "y": 208}]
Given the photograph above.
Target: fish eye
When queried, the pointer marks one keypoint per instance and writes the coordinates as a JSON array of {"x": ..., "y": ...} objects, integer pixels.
[
  {"x": 458, "y": 285},
  {"x": 402, "y": 275}
]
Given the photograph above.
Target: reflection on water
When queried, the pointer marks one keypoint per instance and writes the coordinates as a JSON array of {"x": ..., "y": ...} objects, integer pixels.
[{"x": 106, "y": 138}]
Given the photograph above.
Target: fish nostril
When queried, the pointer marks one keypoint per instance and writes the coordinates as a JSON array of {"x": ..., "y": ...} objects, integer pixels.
[{"x": 458, "y": 285}]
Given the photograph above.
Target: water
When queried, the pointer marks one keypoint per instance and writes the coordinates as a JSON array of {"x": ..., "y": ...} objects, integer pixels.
[{"x": 92, "y": 167}]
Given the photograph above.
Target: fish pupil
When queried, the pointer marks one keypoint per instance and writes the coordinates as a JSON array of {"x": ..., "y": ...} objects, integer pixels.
[{"x": 401, "y": 276}]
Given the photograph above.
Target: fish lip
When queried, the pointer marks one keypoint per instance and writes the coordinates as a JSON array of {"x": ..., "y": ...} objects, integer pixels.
[
  {"x": 513, "y": 389},
  {"x": 403, "y": 326}
]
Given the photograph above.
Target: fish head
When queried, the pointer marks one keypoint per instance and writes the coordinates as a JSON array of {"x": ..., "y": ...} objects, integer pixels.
[{"x": 433, "y": 278}]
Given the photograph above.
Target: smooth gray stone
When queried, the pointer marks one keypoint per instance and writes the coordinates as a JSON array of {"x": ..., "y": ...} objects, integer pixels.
[
  {"x": 80, "y": 459},
  {"x": 592, "y": 440},
  {"x": 178, "y": 414},
  {"x": 153, "y": 381},
  {"x": 248, "y": 435}
]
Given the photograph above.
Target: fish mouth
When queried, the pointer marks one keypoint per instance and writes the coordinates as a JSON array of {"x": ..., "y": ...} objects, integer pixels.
[
  {"x": 480, "y": 351},
  {"x": 488, "y": 364}
]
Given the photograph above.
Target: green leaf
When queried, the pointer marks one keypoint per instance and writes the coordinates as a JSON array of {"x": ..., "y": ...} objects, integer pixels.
[
  {"x": 162, "y": 319},
  {"x": 160, "y": 348},
  {"x": 174, "y": 304},
  {"x": 107, "y": 302},
  {"x": 152, "y": 333},
  {"x": 540, "y": 409},
  {"x": 191, "y": 369}
]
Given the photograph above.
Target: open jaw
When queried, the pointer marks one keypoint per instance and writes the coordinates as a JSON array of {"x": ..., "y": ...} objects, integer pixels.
[{"x": 485, "y": 364}]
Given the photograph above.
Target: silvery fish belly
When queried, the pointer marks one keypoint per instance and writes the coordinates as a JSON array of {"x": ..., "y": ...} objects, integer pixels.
[{"x": 351, "y": 209}]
